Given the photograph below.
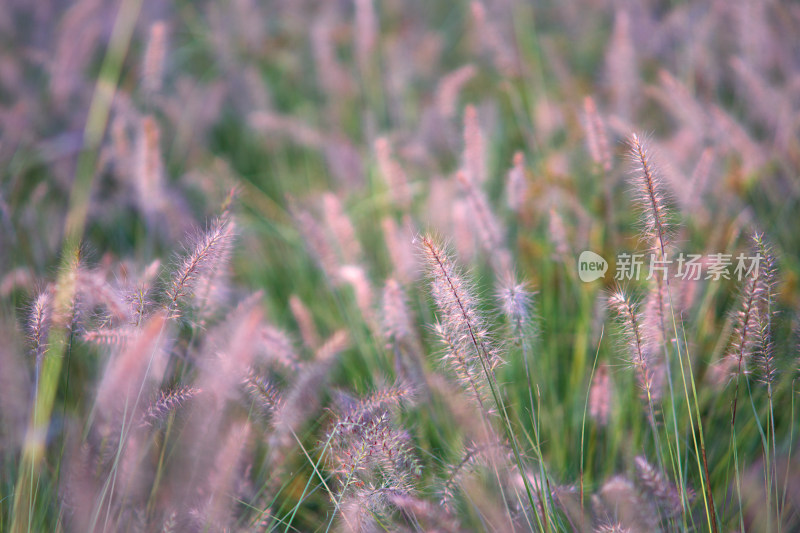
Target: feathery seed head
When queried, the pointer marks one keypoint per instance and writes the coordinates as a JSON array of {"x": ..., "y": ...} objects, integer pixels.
[
  {"x": 746, "y": 339},
  {"x": 752, "y": 343},
  {"x": 517, "y": 304},
  {"x": 451, "y": 292},
  {"x": 265, "y": 394},
  {"x": 462, "y": 323},
  {"x": 767, "y": 272},
  {"x": 663, "y": 493},
  {"x": 381, "y": 400},
  {"x": 39, "y": 323},
  {"x": 650, "y": 196},
  {"x": 366, "y": 444},
  {"x": 167, "y": 403},
  {"x": 209, "y": 248},
  {"x": 635, "y": 338}
]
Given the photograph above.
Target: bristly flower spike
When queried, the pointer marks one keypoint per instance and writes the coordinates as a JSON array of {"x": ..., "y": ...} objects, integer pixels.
[
  {"x": 651, "y": 197},
  {"x": 516, "y": 301},
  {"x": 211, "y": 246},
  {"x": 41, "y": 315},
  {"x": 767, "y": 271},
  {"x": 634, "y": 334}
]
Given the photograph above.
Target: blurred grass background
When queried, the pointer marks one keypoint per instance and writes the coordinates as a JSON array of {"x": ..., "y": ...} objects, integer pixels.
[{"x": 228, "y": 60}]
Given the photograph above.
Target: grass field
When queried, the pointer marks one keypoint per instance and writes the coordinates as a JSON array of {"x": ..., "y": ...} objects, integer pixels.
[{"x": 312, "y": 266}]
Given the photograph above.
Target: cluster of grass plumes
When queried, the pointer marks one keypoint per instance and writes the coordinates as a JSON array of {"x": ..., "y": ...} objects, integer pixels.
[
  {"x": 173, "y": 382},
  {"x": 469, "y": 349},
  {"x": 238, "y": 352},
  {"x": 314, "y": 357}
]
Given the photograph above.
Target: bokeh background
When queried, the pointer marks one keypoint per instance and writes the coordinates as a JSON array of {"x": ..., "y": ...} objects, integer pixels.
[{"x": 341, "y": 127}]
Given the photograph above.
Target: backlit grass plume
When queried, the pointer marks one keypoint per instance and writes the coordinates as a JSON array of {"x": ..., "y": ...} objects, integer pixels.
[
  {"x": 470, "y": 349},
  {"x": 516, "y": 301},
  {"x": 750, "y": 325},
  {"x": 650, "y": 196},
  {"x": 370, "y": 454},
  {"x": 636, "y": 341},
  {"x": 39, "y": 323},
  {"x": 167, "y": 403},
  {"x": 202, "y": 260},
  {"x": 765, "y": 358}
]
